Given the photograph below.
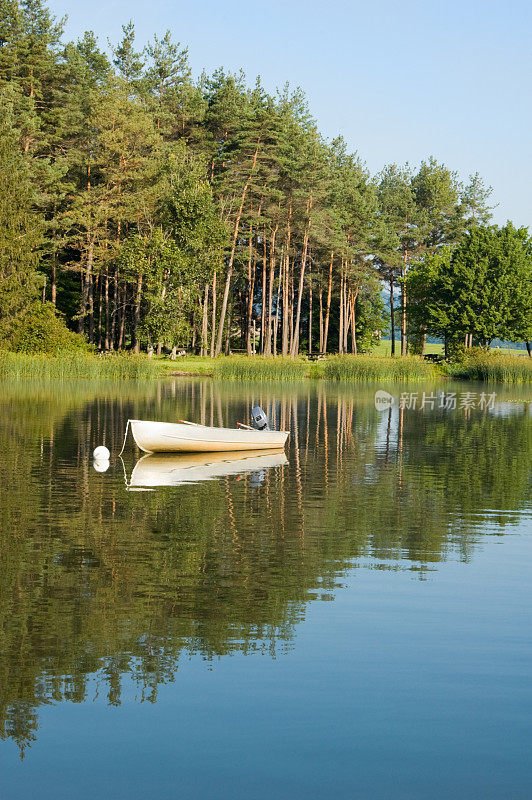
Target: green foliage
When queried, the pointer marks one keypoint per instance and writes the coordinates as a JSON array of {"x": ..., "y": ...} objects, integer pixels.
[
  {"x": 483, "y": 287},
  {"x": 39, "y": 329},
  {"x": 474, "y": 200},
  {"x": 26, "y": 324},
  {"x": 20, "y": 226}
]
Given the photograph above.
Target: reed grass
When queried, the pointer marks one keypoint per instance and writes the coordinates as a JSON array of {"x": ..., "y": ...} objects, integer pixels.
[
  {"x": 334, "y": 368},
  {"x": 377, "y": 368},
  {"x": 478, "y": 366},
  {"x": 75, "y": 365},
  {"x": 493, "y": 366},
  {"x": 260, "y": 368}
]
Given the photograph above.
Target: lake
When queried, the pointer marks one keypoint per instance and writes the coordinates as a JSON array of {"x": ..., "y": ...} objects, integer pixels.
[{"x": 351, "y": 620}]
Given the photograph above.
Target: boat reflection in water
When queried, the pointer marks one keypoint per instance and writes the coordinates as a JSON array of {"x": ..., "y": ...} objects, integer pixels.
[{"x": 178, "y": 469}]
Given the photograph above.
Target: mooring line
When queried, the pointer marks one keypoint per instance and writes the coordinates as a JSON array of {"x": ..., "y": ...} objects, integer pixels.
[
  {"x": 125, "y": 437},
  {"x": 125, "y": 473}
]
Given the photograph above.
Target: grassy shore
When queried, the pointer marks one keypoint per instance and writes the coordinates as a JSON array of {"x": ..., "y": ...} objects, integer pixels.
[
  {"x": 333, "y": 368},
  {"x": 494, "y": 366}
]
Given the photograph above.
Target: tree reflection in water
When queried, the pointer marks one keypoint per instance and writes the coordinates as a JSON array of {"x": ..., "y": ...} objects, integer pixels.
[{"x": 95, "y": 579}]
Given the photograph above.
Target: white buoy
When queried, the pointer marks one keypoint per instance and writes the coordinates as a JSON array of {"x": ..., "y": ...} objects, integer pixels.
[
  {"x": 101, "y": 464},
  {"x": 101, "y": 453}
]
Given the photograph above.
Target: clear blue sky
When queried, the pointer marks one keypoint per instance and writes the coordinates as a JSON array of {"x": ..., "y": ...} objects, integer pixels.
[{"x": 399, "y": 80}]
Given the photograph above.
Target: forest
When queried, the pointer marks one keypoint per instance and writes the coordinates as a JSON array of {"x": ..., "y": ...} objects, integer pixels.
[{"x": 145, "y": 209}]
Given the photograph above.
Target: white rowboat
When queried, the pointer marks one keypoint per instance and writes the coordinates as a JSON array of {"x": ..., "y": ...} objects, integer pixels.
[
  {"x": 178, "y": 437},
  {"x": 176, "y": 470}
]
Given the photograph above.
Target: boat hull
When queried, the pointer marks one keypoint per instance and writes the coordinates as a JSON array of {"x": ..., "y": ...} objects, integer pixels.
[
  {"x": 155, "y": 470},
  {"x": 175, "y": 437}
]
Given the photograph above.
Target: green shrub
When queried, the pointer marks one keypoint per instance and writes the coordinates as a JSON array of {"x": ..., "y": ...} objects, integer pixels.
[{"x": 39, "y": 329}]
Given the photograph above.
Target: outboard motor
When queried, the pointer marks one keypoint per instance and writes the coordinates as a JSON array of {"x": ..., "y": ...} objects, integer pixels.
[
  {"x": 256, "y": 478},
  {"x": 259, "y": 419}
]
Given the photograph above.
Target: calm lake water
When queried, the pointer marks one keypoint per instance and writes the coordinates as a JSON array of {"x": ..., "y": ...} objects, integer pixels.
[{"x": 353, "y": 620}]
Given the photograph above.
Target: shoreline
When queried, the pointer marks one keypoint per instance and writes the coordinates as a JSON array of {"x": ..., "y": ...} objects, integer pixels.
[{"x": 479, "y": 367}]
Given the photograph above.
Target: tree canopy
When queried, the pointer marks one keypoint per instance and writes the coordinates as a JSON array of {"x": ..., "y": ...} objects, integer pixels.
[{"x": 482, "y": 288}]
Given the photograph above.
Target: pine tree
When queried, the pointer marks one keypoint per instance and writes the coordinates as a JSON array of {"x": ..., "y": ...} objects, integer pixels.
[
  {"x": 174, "y": 100},
  {"x": 399, "y": 214},
  {"x": 129, "y": 62}
]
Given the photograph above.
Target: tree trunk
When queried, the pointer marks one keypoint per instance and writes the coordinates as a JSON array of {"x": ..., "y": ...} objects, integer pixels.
[
  {"x": 263, "y": 298},
  {"x": 310, "y": 312},
  {"x": 286, "y": 270},
  {"x": 85, "y": 285},
  {"x": 321, "y": 318},
  {"x": 285, "y": 322},
  {"x": 228, "y": 335},
  {"x": 213, "y": 322},
  {"x": 354, "y": 296},
  {"x": 251, "y": 288},
  {"x": 136, "y": 315},
  {"x": 276, "y": 323},
  {"x": 204, "y": 322},
  {"x": 347, "y": 316},
  {"x": 232, "y": 254},
  {"x": 268, "y": 349},
  {"x": 114, "y": 317},
  {"x": 100, "y": 311},
  {"x": 392, "y": 314},
  {"x": 106, "y": 340},
  {"x": 291, "y": 309},
  {"x": 123, "y": 294},
  {"x": 341, "y": 313},
  {"x": 328, "y": 307},
  {"x": 90, "y": 307},
  {"x": 528, "y": 348},
  {"x": 403, "y": 308},
  {"x": 54, "y": 282},
  {"x": 295, "y": 341}
]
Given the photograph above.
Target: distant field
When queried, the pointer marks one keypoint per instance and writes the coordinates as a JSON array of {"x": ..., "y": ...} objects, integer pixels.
[{"x": 384, "y": 349}]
